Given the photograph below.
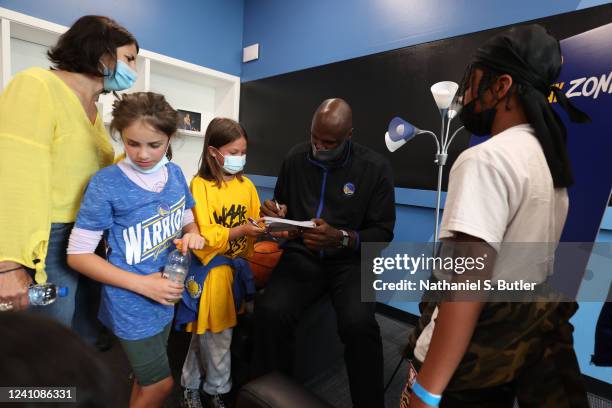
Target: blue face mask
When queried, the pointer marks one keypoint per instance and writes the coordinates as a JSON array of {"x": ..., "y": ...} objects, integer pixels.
[
  {"x": 153, "y": 169},
  {"x": 123, "y": 78},
  {"x": 234, "y": 164},
  {"x": 164, "y": 160}
]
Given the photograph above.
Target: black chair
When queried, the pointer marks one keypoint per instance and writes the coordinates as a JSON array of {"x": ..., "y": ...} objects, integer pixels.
[{"x": 275, "y": 390}]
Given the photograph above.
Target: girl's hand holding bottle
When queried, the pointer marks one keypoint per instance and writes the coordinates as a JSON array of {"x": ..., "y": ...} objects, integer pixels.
[{"x": 160, "y": 289}]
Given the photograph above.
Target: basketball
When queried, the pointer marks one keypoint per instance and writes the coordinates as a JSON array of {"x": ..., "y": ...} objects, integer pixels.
[{"x": 265, "y": 257}]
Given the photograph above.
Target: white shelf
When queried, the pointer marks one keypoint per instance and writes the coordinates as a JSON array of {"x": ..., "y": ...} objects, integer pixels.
[
  {"x": 37, "y": 35},
  {"x": 24, "y": 41},
  {"x": 191, "y": 133}
]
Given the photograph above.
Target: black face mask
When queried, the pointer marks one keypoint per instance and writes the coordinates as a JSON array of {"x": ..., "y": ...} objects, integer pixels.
[
  {"x": 480, "y": 123},
  {"x": 328, "y": 155}
]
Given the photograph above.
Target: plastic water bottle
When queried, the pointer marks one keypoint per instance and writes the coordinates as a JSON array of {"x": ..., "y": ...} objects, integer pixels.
[
  {"x": 177, "y": 267},
  {"x": 44, "y": 294},
  {"x": 39, "y": 295}
]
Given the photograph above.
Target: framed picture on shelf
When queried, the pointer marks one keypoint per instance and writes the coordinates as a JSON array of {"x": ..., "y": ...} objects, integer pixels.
[{"x": 189, "y": 120}]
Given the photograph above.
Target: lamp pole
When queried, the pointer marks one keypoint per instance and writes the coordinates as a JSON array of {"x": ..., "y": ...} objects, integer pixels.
[{"x": 441, "y": 161}]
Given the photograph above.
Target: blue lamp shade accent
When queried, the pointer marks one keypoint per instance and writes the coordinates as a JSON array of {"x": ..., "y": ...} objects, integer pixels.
[{"x": 399, "y": 129}]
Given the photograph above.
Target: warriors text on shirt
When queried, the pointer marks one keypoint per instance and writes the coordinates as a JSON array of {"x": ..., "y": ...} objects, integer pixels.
[{"x": 151, "y": 237}]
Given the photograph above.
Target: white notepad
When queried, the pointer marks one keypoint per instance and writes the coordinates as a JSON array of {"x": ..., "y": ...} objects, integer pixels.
[{"x": 274, "y": 224}]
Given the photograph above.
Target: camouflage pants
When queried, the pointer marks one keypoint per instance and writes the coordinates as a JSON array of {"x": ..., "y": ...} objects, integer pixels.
[
  {"x": 522, "y": 351},
  {"x": 553, "y": 382}
]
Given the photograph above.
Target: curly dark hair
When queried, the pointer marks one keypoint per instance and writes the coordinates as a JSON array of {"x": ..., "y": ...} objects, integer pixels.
[
  {"x": 152, "y": 108},
  {"x": 80, "y": 48}
]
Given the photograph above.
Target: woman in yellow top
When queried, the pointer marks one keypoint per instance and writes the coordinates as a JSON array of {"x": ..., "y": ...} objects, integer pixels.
[
  {"x": 225, "y": 200},
  {"x": 52, "y": 140}
]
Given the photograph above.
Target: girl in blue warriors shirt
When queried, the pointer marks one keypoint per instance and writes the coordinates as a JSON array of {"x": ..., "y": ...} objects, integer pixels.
[{"x": 142, "y": 206}]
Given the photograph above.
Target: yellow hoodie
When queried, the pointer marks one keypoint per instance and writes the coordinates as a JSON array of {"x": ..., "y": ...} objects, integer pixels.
[{"x": 48, "y": 151}]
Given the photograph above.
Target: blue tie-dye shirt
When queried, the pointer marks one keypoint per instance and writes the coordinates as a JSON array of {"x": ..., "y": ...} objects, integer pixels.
[{"x": 140, "y": 226}]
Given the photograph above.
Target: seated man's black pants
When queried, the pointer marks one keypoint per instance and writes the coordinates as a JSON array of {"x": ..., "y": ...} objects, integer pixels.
[{"x": 298, "y": 281}]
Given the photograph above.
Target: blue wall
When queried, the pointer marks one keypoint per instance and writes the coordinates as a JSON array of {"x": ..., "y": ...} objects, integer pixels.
[
  {"x": 296, "y": 34},
  {"x": 204, "y": 32}
]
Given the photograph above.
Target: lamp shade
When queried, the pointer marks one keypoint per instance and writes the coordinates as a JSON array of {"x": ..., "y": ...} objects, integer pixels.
[
  {"x": 391, "y": 145},
  {"x": 399, "y": 129},
  {"x": 443, "y": 93}
]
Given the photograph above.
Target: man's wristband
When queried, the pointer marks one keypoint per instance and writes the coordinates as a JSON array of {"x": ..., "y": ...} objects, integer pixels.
[{"x": 426, "y": 396}]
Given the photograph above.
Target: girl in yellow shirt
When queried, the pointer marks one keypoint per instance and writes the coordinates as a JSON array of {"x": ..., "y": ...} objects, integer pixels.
[{"x": 225, "y": 200}]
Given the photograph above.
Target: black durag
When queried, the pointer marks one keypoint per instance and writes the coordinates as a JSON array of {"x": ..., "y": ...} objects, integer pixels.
[{"x": 532, "y": 57}]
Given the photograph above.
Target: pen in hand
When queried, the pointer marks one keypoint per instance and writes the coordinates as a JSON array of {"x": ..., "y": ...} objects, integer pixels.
[{"x": 252, "y": 221}]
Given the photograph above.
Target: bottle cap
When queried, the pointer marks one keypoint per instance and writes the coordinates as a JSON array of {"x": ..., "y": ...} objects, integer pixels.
[{"x": 62, "y": 291}]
